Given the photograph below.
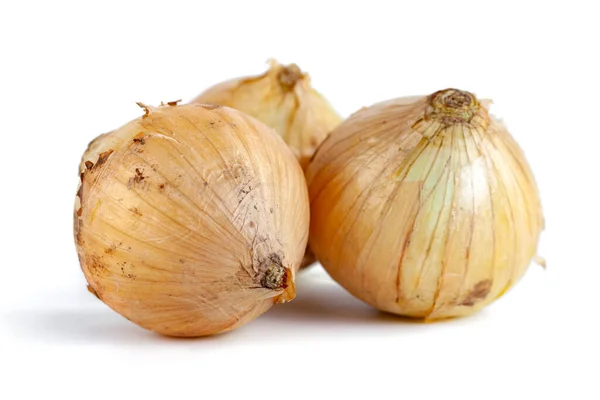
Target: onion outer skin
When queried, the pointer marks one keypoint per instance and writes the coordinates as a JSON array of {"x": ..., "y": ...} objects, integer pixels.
[
  {"x": 424, "y": 206},
  {"x": 191, "y": 220}
]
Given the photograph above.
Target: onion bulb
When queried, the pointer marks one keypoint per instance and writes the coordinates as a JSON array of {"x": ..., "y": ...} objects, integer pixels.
[
  {"x": 424, "y": 206},
  {"x": 284, "y": 99},
  {"x": 191, "y": 220}
]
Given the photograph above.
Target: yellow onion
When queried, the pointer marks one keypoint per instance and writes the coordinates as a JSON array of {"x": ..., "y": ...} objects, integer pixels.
[
  {"x": 424, "y": 206},
  {"x": 191, "y": 220},
  {"x": 284, "y": 99}
]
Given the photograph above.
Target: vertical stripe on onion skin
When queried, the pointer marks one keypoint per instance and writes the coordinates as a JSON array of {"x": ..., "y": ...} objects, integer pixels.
[
  {"x": 191, "y": 220},
  {"x": 424, "y": 206}
]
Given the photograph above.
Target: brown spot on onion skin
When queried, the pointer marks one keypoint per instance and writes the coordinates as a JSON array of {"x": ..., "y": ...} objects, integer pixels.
[
  {"x": 112, "y": 248},
  {"x": 103, "y": 157},
  {"x": 136, "y": 180},
  {"x": 478, "y": 293},
  {"x": 90, "y": 166},
  {"x": 96, "y": 267},
  {"x": 139, "y": 138}
]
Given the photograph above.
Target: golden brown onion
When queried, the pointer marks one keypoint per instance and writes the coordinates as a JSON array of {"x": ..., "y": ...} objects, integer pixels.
[
  {"x": 424, "y": 206},
  {"x": 284, "y": 99},
  {"x": 191, "y": 220}
]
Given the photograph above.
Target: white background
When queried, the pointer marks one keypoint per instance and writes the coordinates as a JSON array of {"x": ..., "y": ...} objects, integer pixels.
[{"x": 70, "y": 71}]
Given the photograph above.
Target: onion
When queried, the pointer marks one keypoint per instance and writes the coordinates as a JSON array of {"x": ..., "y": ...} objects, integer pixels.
[
  {"x": 424, "y": 206},
  {"x": 191, "y": 220},
  {"x": 284, "y": 99}
]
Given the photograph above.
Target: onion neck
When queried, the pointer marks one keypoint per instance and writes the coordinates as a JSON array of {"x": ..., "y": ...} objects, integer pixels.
[
  {"x": 289, "y": 75},
  {"x": 452, "y": 106}
]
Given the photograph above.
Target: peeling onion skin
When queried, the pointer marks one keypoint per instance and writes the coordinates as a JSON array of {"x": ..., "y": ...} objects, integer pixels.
[
  {"x": 424, "y": 206},
  {"x": 283, "y": 99},
  {"x": 191, "y": 220}
]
